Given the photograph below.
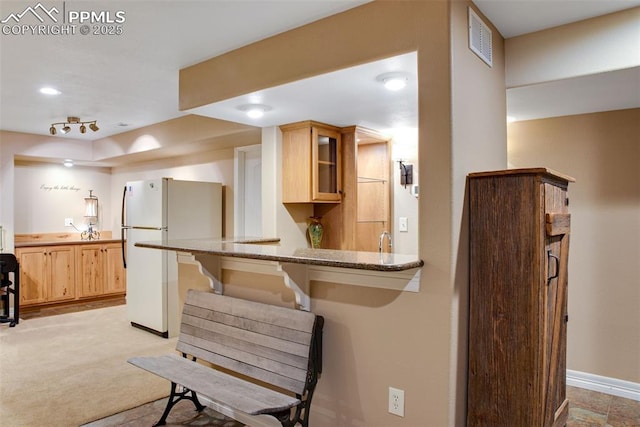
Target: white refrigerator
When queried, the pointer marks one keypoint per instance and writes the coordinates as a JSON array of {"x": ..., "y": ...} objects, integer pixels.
[{"x": 160, "y": 210}]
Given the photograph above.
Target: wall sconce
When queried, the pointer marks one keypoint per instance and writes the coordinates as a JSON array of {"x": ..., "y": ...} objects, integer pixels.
[
  {"x": 91, "y": 213},
  {"x": 406, "y": 174},
  {"x": 73, "y": 121}
]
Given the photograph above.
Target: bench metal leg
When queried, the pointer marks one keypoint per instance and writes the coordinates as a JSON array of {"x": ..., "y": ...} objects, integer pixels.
[{"x": 176, "y": 397}]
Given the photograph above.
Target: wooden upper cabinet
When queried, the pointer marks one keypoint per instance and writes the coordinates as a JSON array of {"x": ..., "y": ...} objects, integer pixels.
[{"x": 311, "y": 163}]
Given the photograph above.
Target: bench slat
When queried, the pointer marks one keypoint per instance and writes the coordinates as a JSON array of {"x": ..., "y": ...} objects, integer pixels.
[
  {"x": 245, "y": 344},
  {"x": 279, "y": 316},
  {"x": 198, "y": 326},
  {"x": 266, "y": 376},
  {"x": 286, "y": 333},
  {"x": 244, "y": 362},
  {"x": 222, "y": 388}
]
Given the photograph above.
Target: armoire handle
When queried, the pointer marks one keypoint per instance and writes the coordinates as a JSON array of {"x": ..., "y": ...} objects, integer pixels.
[{"x": 557, "y": 262}]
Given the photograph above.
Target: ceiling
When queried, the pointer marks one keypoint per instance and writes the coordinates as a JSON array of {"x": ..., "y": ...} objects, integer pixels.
[{"x": 130, "y": 80}]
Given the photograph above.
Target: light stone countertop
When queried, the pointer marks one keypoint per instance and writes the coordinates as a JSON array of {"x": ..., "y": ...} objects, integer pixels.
[
  {"x": 269, "y": 249},
  {"x": 65, "y": 242}
]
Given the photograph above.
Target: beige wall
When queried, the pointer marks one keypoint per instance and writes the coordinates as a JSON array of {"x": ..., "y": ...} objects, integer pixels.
[
  {"x": 47, "y": 193},
  {"x": 210, "y": 166},
  {"x": 586, "y": 47},
  {"x": 14, "y": 144},
  {"x": 602, "y": 152},
  {"x": 377, "y": 338},
  {"x": 478, "y": 100},
  {"x": 173, "y": 141}
]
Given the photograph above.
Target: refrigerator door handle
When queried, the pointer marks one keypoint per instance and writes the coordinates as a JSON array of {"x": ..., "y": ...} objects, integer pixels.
[
  {"x": 122, "y": 228},
  {"x": 140, "y": 227}
]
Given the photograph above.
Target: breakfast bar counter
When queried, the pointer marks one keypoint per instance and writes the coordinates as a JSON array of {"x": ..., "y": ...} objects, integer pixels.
[
  {"x": 297, "y": 266},
  {"x": 270, "y": 250}
]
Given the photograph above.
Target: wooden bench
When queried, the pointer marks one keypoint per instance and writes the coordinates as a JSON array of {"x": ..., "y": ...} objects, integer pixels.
[{"x": 276, "y": 350}]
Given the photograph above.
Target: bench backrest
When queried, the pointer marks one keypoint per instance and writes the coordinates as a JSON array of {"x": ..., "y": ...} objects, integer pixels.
[{"x": 269, "y": 343}]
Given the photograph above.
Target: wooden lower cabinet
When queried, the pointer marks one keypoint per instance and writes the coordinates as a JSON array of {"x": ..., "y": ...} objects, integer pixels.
[
  {"x": 63, "y": 273},
  {"x": 47, "y": 274},
  {"x": 115, "y": 275},
  {"x": 519, "y": 245},
  {"x": 100, "y": 270}
]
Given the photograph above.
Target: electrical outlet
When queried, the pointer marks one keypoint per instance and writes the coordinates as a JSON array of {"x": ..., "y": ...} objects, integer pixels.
[
  {"x": 396, "y": 401},
  {"x": 68, "y": 222},
  {"x": 403, "y": 223}
]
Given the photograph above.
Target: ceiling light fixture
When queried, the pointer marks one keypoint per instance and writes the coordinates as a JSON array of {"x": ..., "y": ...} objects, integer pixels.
[
  {"x": 73, "y": 121},
  {"x": 68, "y": 163},
  {"x": 254, "y": 111},
  {"x": 49, "y": 91},
  {"x": 393, "y": 81}
]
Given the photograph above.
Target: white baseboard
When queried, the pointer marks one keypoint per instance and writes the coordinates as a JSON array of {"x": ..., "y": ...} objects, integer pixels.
[{"x": 614, "y": 386}]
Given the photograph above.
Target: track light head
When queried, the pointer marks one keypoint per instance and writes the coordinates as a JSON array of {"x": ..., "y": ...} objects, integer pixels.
[
  {"x": 83, "y": 128},
  {"x": 94, "y": 127},
  {"x": 65, "y": 129},
  {"x": 52, "y": 130}
]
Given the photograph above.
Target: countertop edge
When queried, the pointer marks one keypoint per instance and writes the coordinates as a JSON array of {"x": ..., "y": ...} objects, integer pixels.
[
  {"x": 291, "y": 259},
  {"x": 64, "y": 243}
]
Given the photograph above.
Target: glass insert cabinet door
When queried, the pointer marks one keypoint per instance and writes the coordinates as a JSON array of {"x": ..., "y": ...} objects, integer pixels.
[
  {"x": 311, "y": 157},
  {"x": 326, "y": 160}
]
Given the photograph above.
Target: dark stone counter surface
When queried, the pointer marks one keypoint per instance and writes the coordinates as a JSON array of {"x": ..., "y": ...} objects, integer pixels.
[{"x": 270, "y": 250}]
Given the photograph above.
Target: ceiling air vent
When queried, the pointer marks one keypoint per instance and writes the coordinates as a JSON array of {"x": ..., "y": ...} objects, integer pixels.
[{"x": 480, "y": 38}]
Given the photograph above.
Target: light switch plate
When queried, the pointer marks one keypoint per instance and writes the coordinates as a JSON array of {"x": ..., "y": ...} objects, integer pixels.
[{"x": 403, "y": 224}]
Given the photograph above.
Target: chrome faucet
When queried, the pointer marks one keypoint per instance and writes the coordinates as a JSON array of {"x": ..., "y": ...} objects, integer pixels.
[{"x": 384, "y": 233}]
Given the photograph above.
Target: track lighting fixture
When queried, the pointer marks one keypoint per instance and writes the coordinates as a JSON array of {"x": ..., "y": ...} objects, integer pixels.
[{"x": 73, "y": 121}]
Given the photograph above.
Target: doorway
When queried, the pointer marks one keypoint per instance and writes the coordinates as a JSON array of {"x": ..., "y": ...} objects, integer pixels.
[{"x": 248, "y": 191}]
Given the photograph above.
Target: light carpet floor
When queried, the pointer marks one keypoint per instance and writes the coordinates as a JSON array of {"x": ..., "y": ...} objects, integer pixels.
[{"x": 71, "y": 369}]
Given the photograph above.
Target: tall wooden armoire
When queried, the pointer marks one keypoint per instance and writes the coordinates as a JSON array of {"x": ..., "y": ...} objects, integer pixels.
[{"x": 519, "y": 245}]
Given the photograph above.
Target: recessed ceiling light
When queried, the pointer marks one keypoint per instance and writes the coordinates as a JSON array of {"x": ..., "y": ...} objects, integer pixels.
[
  {"x": 393, "y": 81},
  {"x": 49, "y": 91},
  {"x": 68, "y": 163},
  {"x": 254, "y": 111}
]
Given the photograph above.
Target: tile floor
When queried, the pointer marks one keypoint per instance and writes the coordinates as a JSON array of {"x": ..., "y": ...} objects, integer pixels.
[
  {"x": 593, "y": 409},
  {"x": 586, "y": 408},
  {"x": 183, "y": 414}
]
